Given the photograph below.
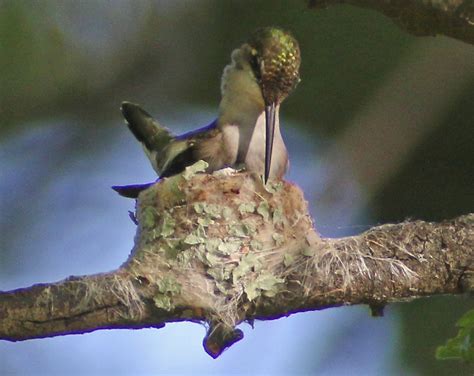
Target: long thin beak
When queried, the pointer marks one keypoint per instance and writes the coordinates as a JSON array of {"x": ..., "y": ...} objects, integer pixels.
[{"x": 269, "y": 135}]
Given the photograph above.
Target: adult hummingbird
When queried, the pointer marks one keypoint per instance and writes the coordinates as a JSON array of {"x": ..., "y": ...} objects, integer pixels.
[{"x": 262, "y": 73}]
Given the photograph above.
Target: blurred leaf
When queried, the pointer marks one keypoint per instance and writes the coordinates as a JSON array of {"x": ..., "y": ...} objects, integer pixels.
[
  {"x": 460, "y": 347},
  {"x": 467, "y": 320}
]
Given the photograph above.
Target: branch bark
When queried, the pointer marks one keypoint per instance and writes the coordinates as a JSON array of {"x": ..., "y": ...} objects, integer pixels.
[
  {"x": 453, "y": 18},
  {"x": 225, "y": 249}
]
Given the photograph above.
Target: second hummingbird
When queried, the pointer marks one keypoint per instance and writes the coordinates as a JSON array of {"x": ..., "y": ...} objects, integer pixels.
[{"x": 262, "y": 73}]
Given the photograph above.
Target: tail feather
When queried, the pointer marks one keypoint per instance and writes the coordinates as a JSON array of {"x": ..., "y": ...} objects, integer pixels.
[
  {"x": 131, "y": 191},
  {"x": 145, "y": 129}
]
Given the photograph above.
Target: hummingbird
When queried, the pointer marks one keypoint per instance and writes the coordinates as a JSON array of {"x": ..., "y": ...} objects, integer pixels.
[{"x": 262, "y": 73}]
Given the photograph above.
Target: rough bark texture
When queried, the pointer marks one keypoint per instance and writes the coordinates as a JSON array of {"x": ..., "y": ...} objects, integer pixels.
[
  {"x": 226, "y": 249},
  {"x": 453, "y": 18}
]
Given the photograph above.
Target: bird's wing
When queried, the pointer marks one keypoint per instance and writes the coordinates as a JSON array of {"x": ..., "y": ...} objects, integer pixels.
[{"x": 183, "y": 151}]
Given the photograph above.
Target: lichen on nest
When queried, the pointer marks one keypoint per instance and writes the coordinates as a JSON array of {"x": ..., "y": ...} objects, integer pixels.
[{"x": 220, "y": 244}]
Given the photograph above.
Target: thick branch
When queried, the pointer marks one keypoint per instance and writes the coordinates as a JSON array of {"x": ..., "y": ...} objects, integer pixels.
[
  {"x": 453, "y": 18},
  {"x": 225, "y": 249},
  {"x": 75, "y": 305}
]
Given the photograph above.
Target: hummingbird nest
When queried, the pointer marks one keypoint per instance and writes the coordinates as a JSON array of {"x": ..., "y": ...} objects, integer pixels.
[
  {"x": 215, "y": 245},
  {"x": 223, "y": 249}
]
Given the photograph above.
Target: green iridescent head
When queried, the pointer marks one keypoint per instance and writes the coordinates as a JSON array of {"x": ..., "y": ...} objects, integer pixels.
[{"x": 275, "y": 60}]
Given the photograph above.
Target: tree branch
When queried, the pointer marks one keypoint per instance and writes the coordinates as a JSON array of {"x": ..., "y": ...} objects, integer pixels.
[
  {"x": 225, "y": 249},
  {"x": 453, "y": 18}
]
